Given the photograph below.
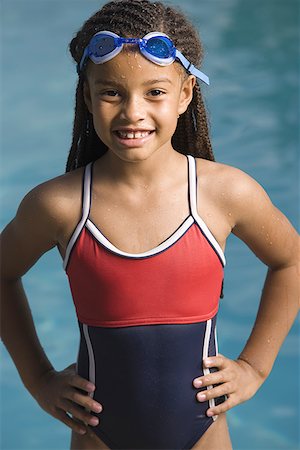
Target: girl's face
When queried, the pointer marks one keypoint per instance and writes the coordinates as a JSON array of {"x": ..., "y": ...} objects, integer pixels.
[{"x": 135, "y": 103}]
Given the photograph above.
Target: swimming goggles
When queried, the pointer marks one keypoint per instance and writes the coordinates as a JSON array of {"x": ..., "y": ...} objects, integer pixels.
[{"x": 155, "y": 46}]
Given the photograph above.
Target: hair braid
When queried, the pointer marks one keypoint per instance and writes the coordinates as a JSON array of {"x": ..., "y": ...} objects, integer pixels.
[
  {"x": 200, "y": 122},
  {"x": 137, "y": 18},
  {"x": 192, "y": 132}
]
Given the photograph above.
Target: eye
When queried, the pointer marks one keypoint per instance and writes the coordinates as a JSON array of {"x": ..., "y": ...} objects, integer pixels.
[
  {"x": 110, "y": 93},
  {"x": 156, "y": 93}
]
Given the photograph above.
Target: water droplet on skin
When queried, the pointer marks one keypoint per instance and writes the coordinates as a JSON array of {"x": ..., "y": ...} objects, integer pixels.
[
  {"x": 268, "y": 341},
  {"x": 123, "y": 76},
  {"x": 229, "y": 214}
]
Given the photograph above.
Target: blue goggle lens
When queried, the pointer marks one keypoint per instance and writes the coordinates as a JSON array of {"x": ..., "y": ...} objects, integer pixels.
[
  {"x": 160, "y": 47},
  {"x": 156, "y": 46},
  {"x": 103, "y": 46}
]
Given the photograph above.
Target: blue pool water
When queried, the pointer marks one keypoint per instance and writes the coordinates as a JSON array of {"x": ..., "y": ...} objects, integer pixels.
[{"x": 252, "y": 59}]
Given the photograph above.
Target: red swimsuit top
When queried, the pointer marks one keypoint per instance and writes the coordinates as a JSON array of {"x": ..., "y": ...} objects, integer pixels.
[{"x": 179, "y": 281}]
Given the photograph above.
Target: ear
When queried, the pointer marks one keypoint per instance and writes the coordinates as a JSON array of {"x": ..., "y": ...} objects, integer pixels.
[
  {"x": 186, "y": 93},
  {"x": 87, "y": 96}
]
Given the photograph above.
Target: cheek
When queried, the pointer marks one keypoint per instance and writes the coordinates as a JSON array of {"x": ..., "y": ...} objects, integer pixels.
[
  {"x": 167, "y": 113},
  {"x": 102, "y": 116}
]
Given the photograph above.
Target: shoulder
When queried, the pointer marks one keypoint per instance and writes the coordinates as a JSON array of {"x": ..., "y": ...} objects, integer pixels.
[
  {"x": 224, "y": 175},
  {"x": 41, "y": 220},
  {"x": 56, "y": 194},
  {"x": 232, "y": 189},
  {"x": 51, "y": 204},
  {"x": 254, "y": 218}
]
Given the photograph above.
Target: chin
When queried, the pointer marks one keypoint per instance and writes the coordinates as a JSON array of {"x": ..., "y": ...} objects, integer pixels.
[{"x": 133, "y": 155}]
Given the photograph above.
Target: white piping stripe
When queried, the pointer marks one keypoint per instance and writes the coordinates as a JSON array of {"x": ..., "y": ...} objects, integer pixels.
[
  {"x": 164, "y": 245},
  {"x": 85, "y": 213},
  {"x": 206, "y": 370},
  {"x": 92, "y": 371},
  {"x": 198, "y": 219},
  {"x": 216, "y": 341},
  {"x": 210, "y": 237},
  {"x": 206, "y": 344},
  {"x": 192, "y": 181}
]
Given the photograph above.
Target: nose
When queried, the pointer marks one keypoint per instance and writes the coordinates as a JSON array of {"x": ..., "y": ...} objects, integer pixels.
[{"x": 133, "y": 109}]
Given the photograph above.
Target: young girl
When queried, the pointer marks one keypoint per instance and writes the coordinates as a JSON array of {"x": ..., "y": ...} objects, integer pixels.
[{"x": 141, "y": 220}]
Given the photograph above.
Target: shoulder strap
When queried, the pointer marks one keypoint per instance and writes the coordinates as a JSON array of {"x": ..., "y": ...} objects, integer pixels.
[
  {"x": 193, "y": 207},
  {"x": 86, "y": 206},
  {"x": 86, "y": 192},
  {"x": 192, "y": 185}
]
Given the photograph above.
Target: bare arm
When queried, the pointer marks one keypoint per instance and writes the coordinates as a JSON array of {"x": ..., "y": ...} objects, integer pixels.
[
  {"x": 23, "y": 241},
  {"x": 272, "y": 238},
  {"x": 278, "y": 308},
  {"x": 275, "y": 242},
  {"x": 35, "y": 230}
]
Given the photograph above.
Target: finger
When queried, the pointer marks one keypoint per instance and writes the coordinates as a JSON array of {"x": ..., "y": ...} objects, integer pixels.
[
  {"x": 219, "y": 361},
  {"x": 82, "y": 383},
  {"x": 79, "y": 413},
  {"x": 83, "y": 400},
  {"x": 223, "y": 407},
  {"x": 75, "y": 426},
  {"x": 218, "y": 391},
  {"x": 213, "y": 378}
]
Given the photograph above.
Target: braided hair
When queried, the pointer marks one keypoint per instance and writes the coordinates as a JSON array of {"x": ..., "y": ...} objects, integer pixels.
[{"x": 136, "y": 18}]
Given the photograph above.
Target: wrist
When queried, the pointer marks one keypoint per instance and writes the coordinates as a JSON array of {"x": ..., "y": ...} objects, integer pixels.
[
  {"x": 32, "y": 383},
  {"x": 250, "y": 366}
]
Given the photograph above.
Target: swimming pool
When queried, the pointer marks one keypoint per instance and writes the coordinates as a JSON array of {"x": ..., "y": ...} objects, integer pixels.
[{"x": 251, "y": 58}]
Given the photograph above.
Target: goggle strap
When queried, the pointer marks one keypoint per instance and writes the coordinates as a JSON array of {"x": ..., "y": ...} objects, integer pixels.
[
  {"x": 194, "y": 71},
  {"x": 82, "y": 62},
  {"x": 191, "y": 68}
]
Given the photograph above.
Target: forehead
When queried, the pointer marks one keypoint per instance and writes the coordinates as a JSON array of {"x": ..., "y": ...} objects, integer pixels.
[{"x": 130, "y": 66}]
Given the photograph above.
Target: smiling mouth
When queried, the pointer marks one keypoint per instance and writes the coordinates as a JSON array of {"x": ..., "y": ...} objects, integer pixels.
[{"x": 133, "y": 134}]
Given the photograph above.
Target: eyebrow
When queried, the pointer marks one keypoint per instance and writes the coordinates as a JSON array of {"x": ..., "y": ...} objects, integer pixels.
[
  {"x": 146, "y": 83},
  {"x": 158, "y": 80}
]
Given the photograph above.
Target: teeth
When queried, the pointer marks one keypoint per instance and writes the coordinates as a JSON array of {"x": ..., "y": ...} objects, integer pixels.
[{"x": 133, "y": 135}]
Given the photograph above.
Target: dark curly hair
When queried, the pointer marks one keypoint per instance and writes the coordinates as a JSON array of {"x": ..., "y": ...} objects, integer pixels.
[{"x": 137, "y": 18}]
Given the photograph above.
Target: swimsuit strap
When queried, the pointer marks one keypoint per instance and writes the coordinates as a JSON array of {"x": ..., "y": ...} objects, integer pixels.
[
  {"x": 192, "y": 185},
  {"x": 86, "y": 192},
  {"x": 86, "y": 206}
]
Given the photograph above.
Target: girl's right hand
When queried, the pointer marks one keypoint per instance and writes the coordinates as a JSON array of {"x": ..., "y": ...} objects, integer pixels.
[{"x": 60, "y": 394}]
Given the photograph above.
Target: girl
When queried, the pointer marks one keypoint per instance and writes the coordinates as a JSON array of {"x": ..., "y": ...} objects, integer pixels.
[{"x": 148, "y": 373}]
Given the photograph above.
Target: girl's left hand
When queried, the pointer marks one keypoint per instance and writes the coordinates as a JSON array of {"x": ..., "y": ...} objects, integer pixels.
[{"x": 238, "y": 380}]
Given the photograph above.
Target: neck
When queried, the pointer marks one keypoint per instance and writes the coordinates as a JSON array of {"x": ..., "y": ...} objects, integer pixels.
[{"x": 148, "y": 173}]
